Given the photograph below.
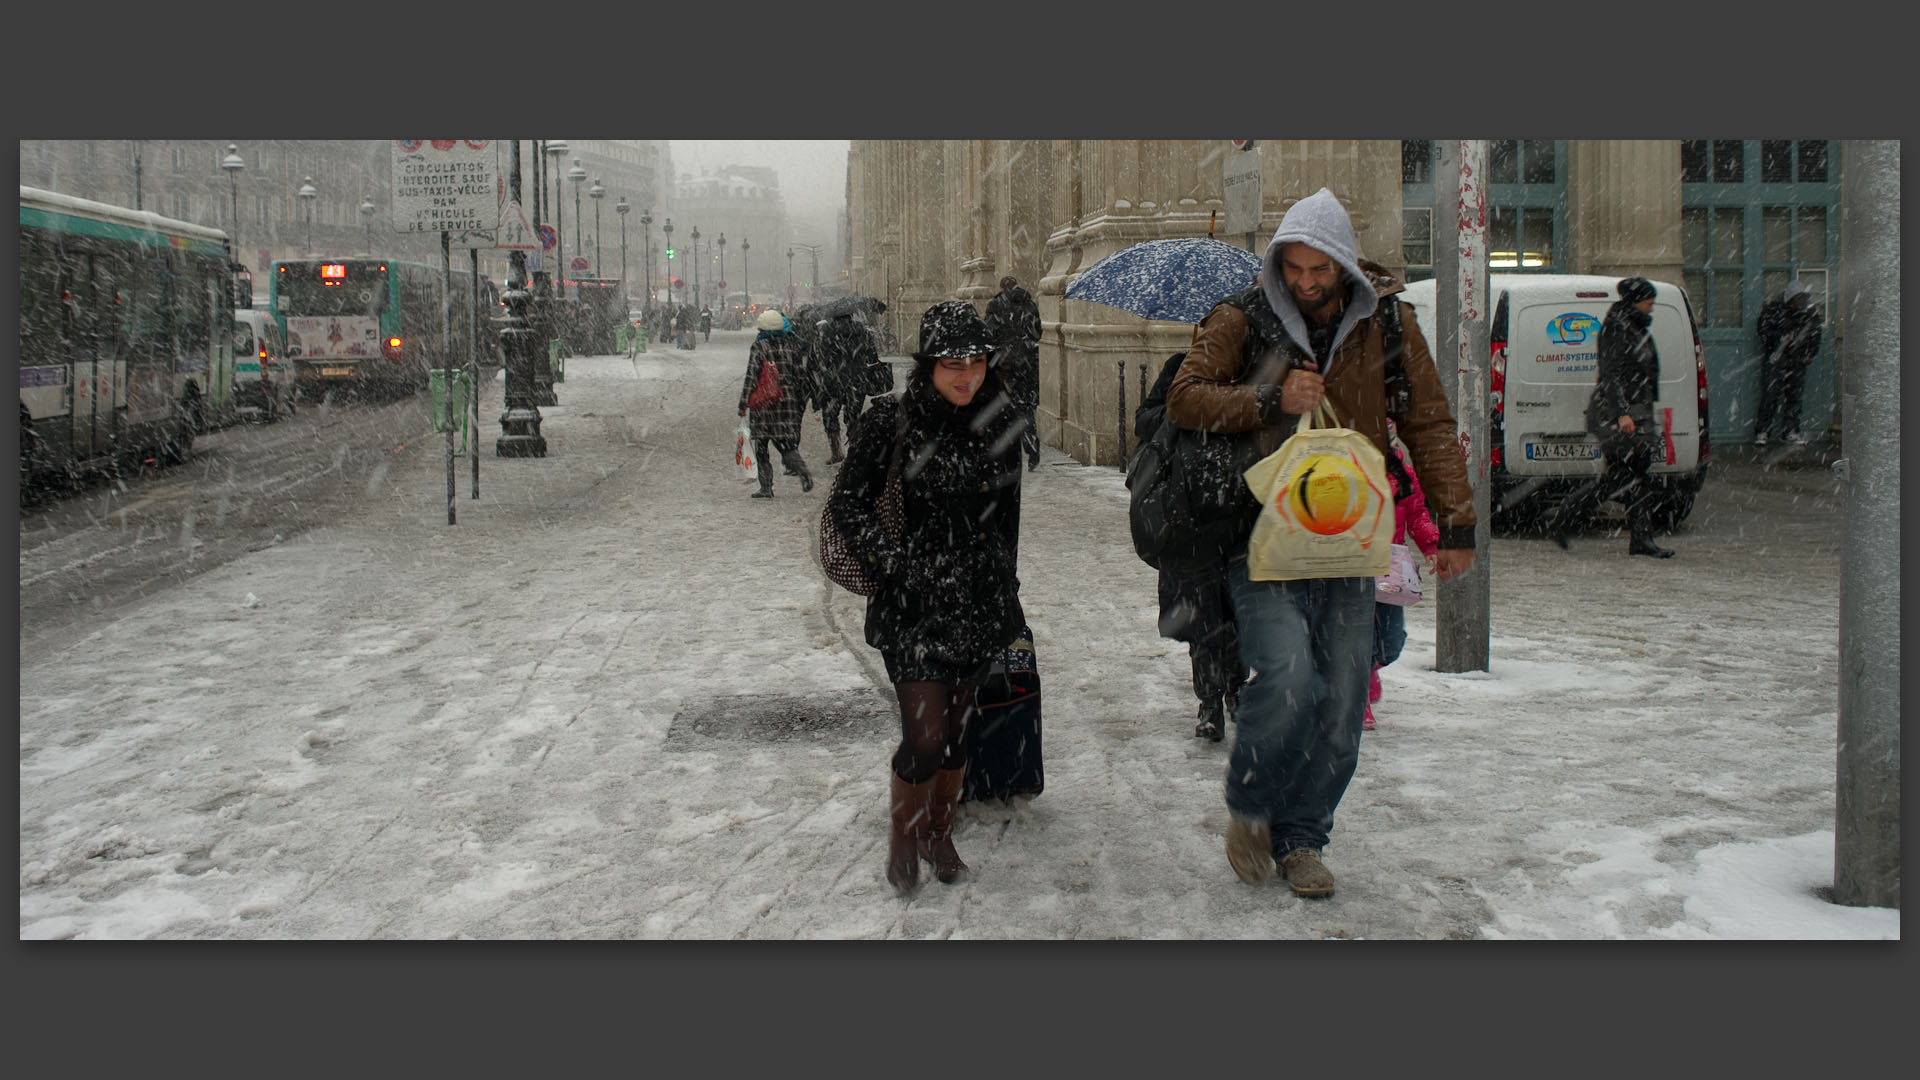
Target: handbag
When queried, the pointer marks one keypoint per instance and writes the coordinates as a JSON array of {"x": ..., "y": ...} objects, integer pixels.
[
  {"x": 766, "y": 391},
  {"x": 845, "y": 568},
  {"x": 1401, "y": 583},
  {"x": 1003, "y": 734},
  {"x": 743, "y": 451},
  {"x": 1326, "y": 507}
]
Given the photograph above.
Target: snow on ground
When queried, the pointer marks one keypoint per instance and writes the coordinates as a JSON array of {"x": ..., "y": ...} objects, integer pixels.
[{"x": 529, "y": 725}]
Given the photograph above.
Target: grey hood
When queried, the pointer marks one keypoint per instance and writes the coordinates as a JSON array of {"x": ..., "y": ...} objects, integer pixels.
[{"x": 1318, "y": 221}]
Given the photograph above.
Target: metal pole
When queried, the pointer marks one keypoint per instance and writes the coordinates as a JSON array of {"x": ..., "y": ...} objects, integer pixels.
[
  {"x": 446, "y": 340},
  {"x": 520, "y": 422},
  {"x": 473, "y": 391},
  {"x": 1866, "y": 849},
  {"x": 1462, "y": 629},
  {"x": 1120, "y": 371}
]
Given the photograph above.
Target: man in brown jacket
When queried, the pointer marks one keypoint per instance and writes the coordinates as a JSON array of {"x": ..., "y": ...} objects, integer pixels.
[{"x": 1308, "y": 330}]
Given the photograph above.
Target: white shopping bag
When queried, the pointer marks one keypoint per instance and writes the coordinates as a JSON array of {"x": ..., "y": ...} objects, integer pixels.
[{"x": 743, "y": 452}]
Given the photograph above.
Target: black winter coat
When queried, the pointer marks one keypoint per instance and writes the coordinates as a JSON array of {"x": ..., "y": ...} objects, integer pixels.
[
  {"x": 1193, "y": 606},
  {"x": 1014, "y": 321},
  {"x": 950, "y": 591},
  {"x": 845, "y": 351},
  {"x": 1628, "y": 379}
]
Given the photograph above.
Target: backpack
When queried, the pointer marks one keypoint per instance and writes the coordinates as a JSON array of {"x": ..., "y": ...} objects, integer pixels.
[{"x": 1268, "y": 333}]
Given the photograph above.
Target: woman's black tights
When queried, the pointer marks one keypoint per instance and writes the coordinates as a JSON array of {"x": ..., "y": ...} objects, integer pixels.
[{"x": 933, "y": 717}]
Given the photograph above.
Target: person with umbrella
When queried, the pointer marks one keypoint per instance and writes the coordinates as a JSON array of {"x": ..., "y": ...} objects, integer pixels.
[
  {"x": 1014, "y": 320},
  {"x": 1311, "y": 330}
]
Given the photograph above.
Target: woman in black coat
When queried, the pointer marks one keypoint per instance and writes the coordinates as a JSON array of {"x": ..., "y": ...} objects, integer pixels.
[
  {"x": 1620, "y": 414},
  {"x": 1196, "y": 607},
  {"x": 949, "y": 594}
]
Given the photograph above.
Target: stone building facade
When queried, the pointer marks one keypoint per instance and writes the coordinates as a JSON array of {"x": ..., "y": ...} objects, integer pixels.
[
  {"x": 938, "y": 220},
  {"x": 740, "y": 204}
]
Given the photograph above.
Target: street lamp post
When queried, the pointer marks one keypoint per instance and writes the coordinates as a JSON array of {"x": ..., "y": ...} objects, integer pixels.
[
  {"x": 646, "y": 233},
  {"x": 549, "y": 323},
  {"x": 579, "y": 176},
  {"x": 598, "y": 193},
  {"x": 744, "y": 247},
  {"x": 721, "y": 246},
  {"x": 622, "y": 208},
  {"x": 790, "y": 281},
  {"x": 307, "y": 194},
  {"x": 366, "y": 211},
  {"x": 667, "y": 231},
  {"x": 695, "y": 237},
  {"x": 812, "y": 250},
  {"x": 233, "y": 165},
  {"x": 520, "y": 423}
]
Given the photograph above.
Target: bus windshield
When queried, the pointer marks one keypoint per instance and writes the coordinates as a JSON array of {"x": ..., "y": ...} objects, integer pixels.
[{"x": 332, "y": 289}]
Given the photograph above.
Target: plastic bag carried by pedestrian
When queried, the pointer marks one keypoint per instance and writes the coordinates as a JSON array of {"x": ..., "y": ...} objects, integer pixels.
[
  {"x": 1326, "y": 506},
  {"x": 743, "y": 452}
]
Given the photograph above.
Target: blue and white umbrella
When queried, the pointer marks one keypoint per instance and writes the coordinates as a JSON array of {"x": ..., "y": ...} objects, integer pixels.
[{"x": 1177, "y": 280}]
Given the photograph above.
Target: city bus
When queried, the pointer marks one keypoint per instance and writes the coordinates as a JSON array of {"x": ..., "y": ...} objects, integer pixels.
[
  {"x": 126, "y": 336},
  {"x": 375, "y": 325}
]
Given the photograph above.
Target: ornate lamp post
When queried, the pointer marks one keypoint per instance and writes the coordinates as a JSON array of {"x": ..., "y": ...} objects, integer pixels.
[
  {"x": 646, "y": 233},
  {"x": 622, "y": 208},
  {"x": 520, "y": 423},
  {"x": 695, "y": 237},
  {"x": 720, "y": 246},
  {"x": 790, "y": 282},
  {"x": 366, "y": 211},
  {"x": 744, "y": 248},
  {"x": 667, "y": 231},
  {"x": 307, "y": 194},
  {"x": 598, "y": 193},
  {"x": 233, "y": 165},
  {"x": 579, "y": 176},
  {"x": 556, "y": 149}
]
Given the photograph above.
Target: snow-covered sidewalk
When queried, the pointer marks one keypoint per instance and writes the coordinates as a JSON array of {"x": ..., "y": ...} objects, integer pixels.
[{"x": 620, "y": 700}]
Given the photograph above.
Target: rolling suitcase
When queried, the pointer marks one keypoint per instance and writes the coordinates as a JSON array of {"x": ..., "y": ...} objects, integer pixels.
[{"x": 1003, "y": 735}]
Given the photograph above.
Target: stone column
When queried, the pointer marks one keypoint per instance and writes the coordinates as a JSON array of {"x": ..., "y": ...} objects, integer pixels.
[{"x": 1623, "y": 208}]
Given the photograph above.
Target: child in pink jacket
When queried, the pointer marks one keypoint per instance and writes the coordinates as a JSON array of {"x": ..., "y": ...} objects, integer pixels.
[{"x": 1410, "y": 518}]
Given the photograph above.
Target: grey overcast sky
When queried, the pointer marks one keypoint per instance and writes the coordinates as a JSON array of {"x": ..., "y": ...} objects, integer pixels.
[{"x": 813, "y": 172}]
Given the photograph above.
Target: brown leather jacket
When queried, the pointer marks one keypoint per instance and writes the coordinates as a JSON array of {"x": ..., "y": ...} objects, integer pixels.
[{"x": 1206, "y": 396}]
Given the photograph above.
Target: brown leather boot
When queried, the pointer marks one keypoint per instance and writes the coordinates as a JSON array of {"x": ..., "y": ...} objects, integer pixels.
[
  {"x": 936, "y": 840},
  {"x": 909, "y": 817}
]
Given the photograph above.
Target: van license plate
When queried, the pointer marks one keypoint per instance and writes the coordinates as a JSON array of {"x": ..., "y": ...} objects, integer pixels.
[
  {"x": 336, "y": 371},
  {"x": 1569, "y": 451}
]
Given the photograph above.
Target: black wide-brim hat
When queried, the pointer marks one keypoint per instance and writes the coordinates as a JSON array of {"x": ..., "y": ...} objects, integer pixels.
[{"x": 953, "y": 328}]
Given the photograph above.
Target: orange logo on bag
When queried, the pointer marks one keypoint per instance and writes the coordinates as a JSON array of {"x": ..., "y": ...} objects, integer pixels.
[{"x": 1327, "y": 494}]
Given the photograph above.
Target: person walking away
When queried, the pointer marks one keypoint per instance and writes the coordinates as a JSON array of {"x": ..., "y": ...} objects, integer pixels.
[
  {"x": 1789, "y": 340},
  {"x": 1620, "y": 415},
  {"x": 949, "y": 594},
  {"x": 706, "y": 323},
  {"x": 779, "y": 422},
  {"x": 1014, "y": 320},
  {"x": 1196, "y": 607},
  {"x": 1308, "y": 330},
  {"x": 1410, "y": 522},
  {"x": 846, "y": 351}
]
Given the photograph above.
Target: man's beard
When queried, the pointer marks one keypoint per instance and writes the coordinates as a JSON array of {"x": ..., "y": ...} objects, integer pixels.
[{"x": 1327, "y": 298}]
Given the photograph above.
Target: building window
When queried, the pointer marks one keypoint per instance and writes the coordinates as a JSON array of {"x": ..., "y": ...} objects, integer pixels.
[
  {"x": 261, "y": 206},
  {"x": 1416, "y": 161},
  {"x": 1776, "y": 161},
  {"x": 182, "y": 207},
  {"x": 1729, "y": 161},
  {"x": 1693, "y": 161},
  {"x": 1521, "y": 161},
  {"x": 179, "y": 159},
  {"x": 1416, "y": 241},
  {"x": 1813, "y": 161}
]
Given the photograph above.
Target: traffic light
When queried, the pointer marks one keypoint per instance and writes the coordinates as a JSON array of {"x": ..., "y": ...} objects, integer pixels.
[{"x": 669, "y": 253}]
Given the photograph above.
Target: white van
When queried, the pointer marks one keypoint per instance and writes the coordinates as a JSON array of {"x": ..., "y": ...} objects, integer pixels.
[
  {"x": 1545, "y": 344},
  {"x": 262, "y": 373}
]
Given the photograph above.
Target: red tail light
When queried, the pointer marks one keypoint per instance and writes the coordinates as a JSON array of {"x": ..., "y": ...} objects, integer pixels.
[
  {"x": 1700, "y": 374},
  {"x": 391, "y": 348},
  {"x": 1497, "y": 386}
]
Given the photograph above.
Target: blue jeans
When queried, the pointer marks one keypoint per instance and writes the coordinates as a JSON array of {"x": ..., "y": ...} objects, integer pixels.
[
  {"x": 1309, "y": 646},
  {"x": 1389, "y": 633}
]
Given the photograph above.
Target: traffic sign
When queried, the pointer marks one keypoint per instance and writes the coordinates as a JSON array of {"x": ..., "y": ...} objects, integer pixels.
[
  {"x": 1242, "y": 144},
  {"x": 579, "y": 262},
  {"x": 719, "y": 284},
  {"x": 514, "y": 235},
  {"x": 548, "y": 238},
  {"x": 444, "y": 186}
]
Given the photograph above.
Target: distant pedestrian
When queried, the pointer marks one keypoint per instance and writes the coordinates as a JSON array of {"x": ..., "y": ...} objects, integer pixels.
[
  {"x": 949, "y": 595},
  {"x": 1014, "y": 320},
  {"x": 778, "y": 423},
  {"x": 1789, "y": 340},
  {"x": 1197, "y": 607},
  {"x": 846, "y": 352},
  {"x": 1620, "y": 415},
  {"x": 1410, "y": 522},
  {"x": 706, "y": 324}
]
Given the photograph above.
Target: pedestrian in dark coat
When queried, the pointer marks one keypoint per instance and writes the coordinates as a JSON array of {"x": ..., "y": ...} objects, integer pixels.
[
  {"x": 706, "y": 324},
  {"x": 949, "y": 594},
  {"x": 1620, "y": 415},
  {"x": 778, "y": 423},
  {"x": 1197, "y": 607},
  {"x": 1014, "y": 320},
  {"x": 846, "y": 350},
  {"x": 1789, "y": 340}
]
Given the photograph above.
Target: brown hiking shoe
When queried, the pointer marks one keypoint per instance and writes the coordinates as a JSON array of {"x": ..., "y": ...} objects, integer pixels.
[
  {"x": 1306, "y": 874},
  {"x": 1250, "y": 850}
]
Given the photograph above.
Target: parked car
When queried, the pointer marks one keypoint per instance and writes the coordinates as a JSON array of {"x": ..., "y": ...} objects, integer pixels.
[
  {"x": 1544, "y": 338},
  {"x": 262, "y": 372}
]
